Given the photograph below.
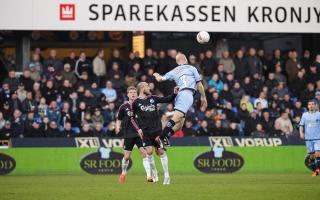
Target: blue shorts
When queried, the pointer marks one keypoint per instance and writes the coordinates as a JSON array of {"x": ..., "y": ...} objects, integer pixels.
[
  {"x": 183, "y": 101},
  {"x": 313, "y": 145}
]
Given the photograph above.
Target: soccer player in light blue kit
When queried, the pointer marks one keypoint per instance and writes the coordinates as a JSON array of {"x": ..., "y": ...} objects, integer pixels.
[
  {"x": 188, "y": 81},
  {"x": 310, "y": 132}
]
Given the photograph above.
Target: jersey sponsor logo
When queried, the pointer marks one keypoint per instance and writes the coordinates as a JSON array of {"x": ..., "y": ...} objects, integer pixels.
[
  {"x": 244, "y": 142},
  {"x": 149, "y": 108},
  {"x": 94, "y": 142},
  {"x": 105, "y": 161},
  {"x": 218, "y": 161},
  {"x": 7, "y": 164}
]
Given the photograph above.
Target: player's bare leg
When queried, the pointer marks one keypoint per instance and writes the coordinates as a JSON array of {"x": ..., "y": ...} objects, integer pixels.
[
  {"x": 149, "y": 151},
  {"x": 164, "y": 161},
  {"x": 124, "y": 166}
]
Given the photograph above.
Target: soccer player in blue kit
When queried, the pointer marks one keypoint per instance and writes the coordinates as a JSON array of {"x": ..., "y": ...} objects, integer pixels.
[
  {"x": 188, "y": 80},
  {"x": 310, "y": 132}
]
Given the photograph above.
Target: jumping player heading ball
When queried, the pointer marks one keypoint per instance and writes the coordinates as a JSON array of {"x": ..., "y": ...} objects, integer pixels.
[{"x": 188, "y": 80}]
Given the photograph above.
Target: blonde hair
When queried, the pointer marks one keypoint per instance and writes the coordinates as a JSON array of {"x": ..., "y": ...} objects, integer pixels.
[{"x": 181, "y": 59}]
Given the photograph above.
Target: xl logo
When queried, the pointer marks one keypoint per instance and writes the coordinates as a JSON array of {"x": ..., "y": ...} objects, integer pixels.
[
  {"x": 67, "y": 12},
  {"x": 94, "y": 142},
  {"x": 221, "y": 141}
]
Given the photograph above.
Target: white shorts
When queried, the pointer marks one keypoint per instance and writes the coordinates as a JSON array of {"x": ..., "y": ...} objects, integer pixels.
[{"x": 313, "y": 145}]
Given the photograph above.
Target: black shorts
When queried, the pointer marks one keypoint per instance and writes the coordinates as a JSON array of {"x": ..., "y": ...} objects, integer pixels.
[
  {"x": 130, "y": 142},
  {"x": 151, "y": 141}
]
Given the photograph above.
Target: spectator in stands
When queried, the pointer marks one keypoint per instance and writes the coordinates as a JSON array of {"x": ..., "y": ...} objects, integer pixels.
[
  {"x": 247, "y": 86},
  {"x": 259, "y": 131},
  {"x": 67, "y": 130},
  {"x": 187, "y": 129},
  {"x": 209, "y": 64},
  {"x": 255, "y": 64},
  {"x": 35, "y": 63},
  {"x": 12, "y": 80},
  {"x": 298, "y": 83},
  {"x": 136, "y": 71},
  {"x": 264, "y": 62},
  {"x": 17, "y": 124},
  {"x": 53, "y": 130},
  {"x": 71, "y": 60},
  {"x": 53, "y": 112},
  {"x": 218, "y": 130},
  {"x": 97, "y": 131},
  {"x": 5, "y": 93},
  {"x": 29, "y": 104},
  {"x": 314, "y": 74},
  {"x": 21, "y": 92},
  {"x": 317, "y": 98},
  {"x": 6, "y": 132},
  {"x": 35, "y": 74},
  {"x": 203, "y": 130},
  {"x": 149, "y": 61},
  {"x": 241, "y": 66},
  {"x": 306, "y": 61},
  {"x": 237, "y": 94},
  {"x": 284, "y": 124},
  {"x": 279, "y": 76},
  {"x": 251, "y": 123},
  {"x": 2, "y": 121},
  {"x": 83, "y": 65},
  {"x": 225, "y": 94},
  {"x": 262, "y": 99},
  {"x": 216, "y": 82},
  {"x": 246, "y": 100},
  {"x": 53, "y": 61},
  {"x": 97, "y": 117},
  {"x": 307, "y": 94},
  {"x": 292, "y": 66},
  {"x": 68, "y": 74},
  {"x": 86, "y": 131},
  {"x": 227, "y": 62},
  {"x": 276, "y": 60},
  {"x": 115, "y": 58},
  {"x": 109, "y": 92},
  {"x": 297, "y": 110},
  {"x": 281, "y": 90},
  {"x": 99, "y": 67}
]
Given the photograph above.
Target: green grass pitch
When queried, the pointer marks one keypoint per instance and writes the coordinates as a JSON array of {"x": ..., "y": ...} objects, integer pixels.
[{"x": 241, "y": 186}]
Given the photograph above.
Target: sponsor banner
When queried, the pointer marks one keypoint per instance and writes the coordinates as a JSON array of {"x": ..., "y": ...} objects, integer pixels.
[
  {"x": 7, "y": 164},
  {"x": 164, "y": 15},
  {"x": 105, "y": 161},
  {"x": 218, "y": 161},
  {"x": 95, "y": 142},
  {"x": 183, "y": 160}
]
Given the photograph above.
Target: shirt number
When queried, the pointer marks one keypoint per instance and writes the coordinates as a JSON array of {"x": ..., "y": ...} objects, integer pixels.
[{"x": 183, "y": 79}]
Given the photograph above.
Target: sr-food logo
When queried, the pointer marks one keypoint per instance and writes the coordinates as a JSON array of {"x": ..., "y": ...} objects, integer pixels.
[
  {"x": 7, "y": 164},
  {"x": 218, "y": 161},
  {"x": 105, "y": 161}
]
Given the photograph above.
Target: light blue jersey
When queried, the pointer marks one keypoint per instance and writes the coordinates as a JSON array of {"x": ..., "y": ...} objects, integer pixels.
[
  {"x": 185, "y": 76},
  {"x": 311, "y": 123}
]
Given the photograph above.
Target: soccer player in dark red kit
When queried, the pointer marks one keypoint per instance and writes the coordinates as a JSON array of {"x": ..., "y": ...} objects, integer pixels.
[
  {"x": 133, "y": 135},
  {"x": 149, "y": 119}
]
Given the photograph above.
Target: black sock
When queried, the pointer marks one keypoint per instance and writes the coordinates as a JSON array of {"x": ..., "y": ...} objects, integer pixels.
[
  {"x": 167, "y": 131},
  {"x": 313, "y": 164},
  {"x": 317, "y": 163}
]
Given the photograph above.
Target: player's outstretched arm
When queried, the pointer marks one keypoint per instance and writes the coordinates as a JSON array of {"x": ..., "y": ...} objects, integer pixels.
[
  {"x": 158, "y": 77},
  {"x": 169, "y": 98},
  {"x": 200, "y": 88}
]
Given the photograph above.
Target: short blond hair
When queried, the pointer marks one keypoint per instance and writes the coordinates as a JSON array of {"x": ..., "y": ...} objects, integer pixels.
[
  {"x": 181, "y": 59},
  {"x": 131, "y": 88}
]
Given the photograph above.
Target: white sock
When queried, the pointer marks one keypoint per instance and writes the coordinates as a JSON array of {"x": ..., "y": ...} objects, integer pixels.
[
  {"x": 124, "y": 166},
  {"x": 164, "y": 162},
  {"x": 152, "y": 165},
  {"x": 146, "y": 165}
]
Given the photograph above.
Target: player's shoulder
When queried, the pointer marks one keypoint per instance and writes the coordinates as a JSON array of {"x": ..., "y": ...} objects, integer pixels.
[{"x": 124, "y": 105}]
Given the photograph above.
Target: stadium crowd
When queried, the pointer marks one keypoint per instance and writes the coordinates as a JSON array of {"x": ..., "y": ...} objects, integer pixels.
[{"x": 249, "y": 94}]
